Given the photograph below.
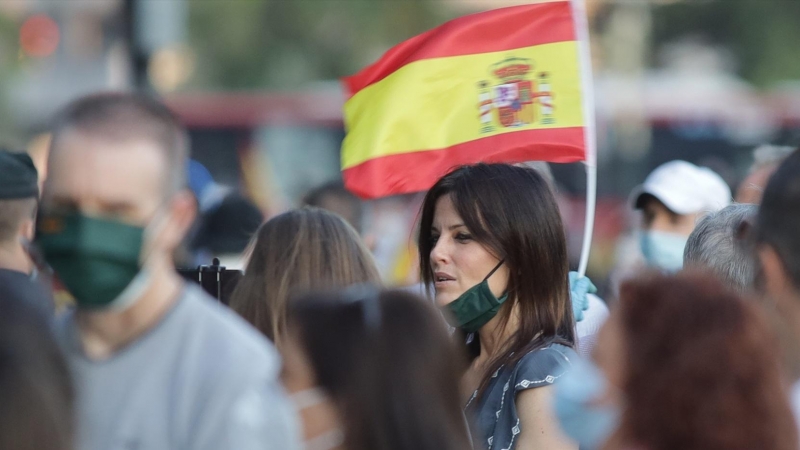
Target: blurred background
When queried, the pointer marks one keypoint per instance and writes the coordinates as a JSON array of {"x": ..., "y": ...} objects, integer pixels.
[{"x": 255, "y": 82}]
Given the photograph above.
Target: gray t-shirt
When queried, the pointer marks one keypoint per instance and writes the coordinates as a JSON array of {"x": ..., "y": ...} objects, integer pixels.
[{"x": 201, "y": 379}]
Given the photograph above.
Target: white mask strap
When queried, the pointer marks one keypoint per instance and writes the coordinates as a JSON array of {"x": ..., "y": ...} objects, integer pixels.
[
  {"x": 137, "y": 287},
  {"x": 308, "y": 398},
  {"x": 325, "y": 441}
]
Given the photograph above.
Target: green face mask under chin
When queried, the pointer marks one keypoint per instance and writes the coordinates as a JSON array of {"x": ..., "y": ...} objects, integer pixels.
[
  {"x": 96, "y": 259},
  {"x": 475, "y": 307}
]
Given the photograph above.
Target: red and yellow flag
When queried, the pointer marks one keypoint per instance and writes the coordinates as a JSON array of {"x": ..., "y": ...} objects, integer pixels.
[{"x": 499, "y": 86}]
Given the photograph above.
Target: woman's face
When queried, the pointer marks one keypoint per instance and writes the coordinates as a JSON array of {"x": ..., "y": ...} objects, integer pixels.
[
  {"x": 457, "y": 260},
  {"x": 319, "y": 416}
]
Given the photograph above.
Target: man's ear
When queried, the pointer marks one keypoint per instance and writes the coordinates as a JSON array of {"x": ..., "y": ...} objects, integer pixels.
[
  {"x": 183, "y": 210},
  {"x": 776, "y": 281},
  {"x": 27, "y": 229}
]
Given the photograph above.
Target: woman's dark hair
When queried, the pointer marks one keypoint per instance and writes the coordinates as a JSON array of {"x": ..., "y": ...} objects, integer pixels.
[
  {"x": 304, "y": 249},
  {"x": 36, "y": 393},
  {"x": 702, "y": 368},
  {"x": 387, "y": 362},
  {"x": 779, "y": 216},
  {"x": 512, "y": 212}
]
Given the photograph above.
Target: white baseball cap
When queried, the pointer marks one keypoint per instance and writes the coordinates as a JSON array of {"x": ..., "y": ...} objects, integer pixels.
[{"x": 684, "y": 188}]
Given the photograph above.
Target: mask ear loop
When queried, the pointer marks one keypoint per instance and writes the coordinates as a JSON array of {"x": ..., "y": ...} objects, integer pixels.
[
  {"x": 137, "y": 287},
  {"x": 308, "y": 397},
  {"x": 154, "y": 226},
  {"x": 495, "y": 269}
]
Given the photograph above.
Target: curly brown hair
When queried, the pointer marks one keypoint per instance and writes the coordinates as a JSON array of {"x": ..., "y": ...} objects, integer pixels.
[{"x": 703, "y": 370}]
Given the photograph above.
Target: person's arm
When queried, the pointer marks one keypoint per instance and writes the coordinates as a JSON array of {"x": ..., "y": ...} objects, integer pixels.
[{"x": 538, "y": 424}]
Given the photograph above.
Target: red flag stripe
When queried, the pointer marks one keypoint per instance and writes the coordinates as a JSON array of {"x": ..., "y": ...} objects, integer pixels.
[
  {"x": 418, "y": 171},
  {"x": 537, "y": 24}
]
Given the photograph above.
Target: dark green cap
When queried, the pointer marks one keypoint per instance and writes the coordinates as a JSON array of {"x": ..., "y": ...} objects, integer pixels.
[{"x": 18, "y": 176}]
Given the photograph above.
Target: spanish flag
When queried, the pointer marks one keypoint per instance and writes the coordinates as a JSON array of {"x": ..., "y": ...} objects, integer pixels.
[{"x": 499, "y": 86}]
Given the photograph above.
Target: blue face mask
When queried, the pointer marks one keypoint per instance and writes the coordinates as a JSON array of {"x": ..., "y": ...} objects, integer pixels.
[
  {"x": 663, "y": 250},
  {"x": 575, "y": 404}
]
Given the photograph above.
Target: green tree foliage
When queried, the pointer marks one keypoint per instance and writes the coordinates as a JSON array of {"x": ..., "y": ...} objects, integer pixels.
[
  {"x": 285, "y": 44},
  {"x": 763, "y": 34}
]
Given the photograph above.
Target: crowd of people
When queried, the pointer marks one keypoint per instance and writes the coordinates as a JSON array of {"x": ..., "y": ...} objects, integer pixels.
[{"x": 500, "y": 346}]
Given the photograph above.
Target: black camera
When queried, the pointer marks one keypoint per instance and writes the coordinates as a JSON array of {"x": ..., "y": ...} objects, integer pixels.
[{"x": 216, "y": 280}]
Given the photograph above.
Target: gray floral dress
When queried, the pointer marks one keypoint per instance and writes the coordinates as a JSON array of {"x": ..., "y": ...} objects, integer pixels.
[{"x": 495, "y": 423}]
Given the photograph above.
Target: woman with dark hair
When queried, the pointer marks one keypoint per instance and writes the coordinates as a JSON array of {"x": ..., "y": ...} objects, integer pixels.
[
  {"x": 682, "y": 363},
  {"x": 36, "y": 392},
  {"x": 373, "y": 371},
  {"x": 493, "y": 247},
  {"x": 300, "y": 250}
]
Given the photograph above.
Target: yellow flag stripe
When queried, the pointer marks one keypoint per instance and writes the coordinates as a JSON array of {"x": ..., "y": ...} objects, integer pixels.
[{"x": 435, "y": 103}]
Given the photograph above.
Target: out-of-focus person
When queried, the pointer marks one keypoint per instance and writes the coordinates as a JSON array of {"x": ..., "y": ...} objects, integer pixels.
[
  {"x": 225, "y": 230},
  {"x": 157, "y": 363},
  {"x": 718, "y": 244},
  {"x": 369, "y": 223},
  {"x": 36, "y": 392},
  {"x": 38, "y": 149},
  {"x": 672, "y": 198},
  {"x": 334, "y": 197},
  {"x": 682, "y": 363},
  {"x": 300, "y": 250},
  {"x": 207, "y": 192},
  {"x": 493, "y": 247},
  {"x": 19, "y": 198},
  {"x": 374, "y": 370},
  {"x": 766, "y": 160},
  {"x": 778, "y": 248},
  {"x": 226, "y": 222}
]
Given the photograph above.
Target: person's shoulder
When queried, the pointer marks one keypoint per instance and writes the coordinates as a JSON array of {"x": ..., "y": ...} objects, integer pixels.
[
  {"x": 12, "y": 275},
  {"x": 593, "y": 318},
  {"x": 18, "y": 285},
  {"x": 63, "y": 323},
  {"x": 543, "y": 366},
  {"x": 217, "y": 320},
  {"x": 556, "y": 353},
  {"x": 233, "y": 373},
  {"x": 597, "y": 306},
  {"x": 222, "y": 333}
]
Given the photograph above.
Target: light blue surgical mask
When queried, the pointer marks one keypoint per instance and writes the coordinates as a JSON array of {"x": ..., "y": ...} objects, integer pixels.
[
  {"x": 577, "y": 406},
  {"x": 663, "y": 250}
]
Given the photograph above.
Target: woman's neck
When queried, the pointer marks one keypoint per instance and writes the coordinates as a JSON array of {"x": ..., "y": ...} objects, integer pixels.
[{"x": 494, "y": 335}]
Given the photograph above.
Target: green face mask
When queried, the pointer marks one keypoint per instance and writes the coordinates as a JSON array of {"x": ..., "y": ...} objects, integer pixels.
[
  {"x": 98, "y": 260},
  {"x": 475, "y": 307}
]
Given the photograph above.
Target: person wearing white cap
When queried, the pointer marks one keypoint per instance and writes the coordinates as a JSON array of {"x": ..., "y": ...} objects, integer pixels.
[{"x": 672, "y": 198}]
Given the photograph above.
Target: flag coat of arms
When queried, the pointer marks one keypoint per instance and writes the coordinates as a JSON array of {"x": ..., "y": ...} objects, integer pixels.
[{"x": 505, "y": 85}]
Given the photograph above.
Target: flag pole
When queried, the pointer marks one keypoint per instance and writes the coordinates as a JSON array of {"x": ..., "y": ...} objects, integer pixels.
[
  {"x": 591, "y": 202},
  {"x": 590, "y": 135}
]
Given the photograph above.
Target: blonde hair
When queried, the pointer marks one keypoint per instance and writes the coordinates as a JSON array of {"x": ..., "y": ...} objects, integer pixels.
[{"x": 302, "y": 250}]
